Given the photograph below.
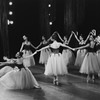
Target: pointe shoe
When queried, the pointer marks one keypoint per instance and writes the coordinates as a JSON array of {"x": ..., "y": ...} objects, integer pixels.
[
  {"x": 93, "y": 79},
  {"x": 88, "y": 79},
  {"x": 37, "y": 87},
  {"x": 57, "y": 83},
  {"x": 54, "y": 82}
]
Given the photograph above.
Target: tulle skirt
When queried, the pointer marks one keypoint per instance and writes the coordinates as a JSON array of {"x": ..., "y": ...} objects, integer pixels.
[
  {"x": 4, "y": 70},
  {"x": 79, "y": 58},
  {"x": 28, "y": 62},
  {"x": 55, "y": 65},
  {"x": 44, "y": 54},
  {"x": 90, "y": 64},
  {"x": 98, "y": 56},
  {"x": 68, "y": 57},
  {"x": 19, "y": 79}
]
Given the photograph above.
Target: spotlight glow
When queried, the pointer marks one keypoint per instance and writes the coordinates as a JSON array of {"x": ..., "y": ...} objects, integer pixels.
[
  {"x": 9, "y": 22},
  {"x": 10, "y": 3},
  {"x": 49, "y": 5},
  {"x": 50, "y": 23},
  {"x": 10, "y": 12}
]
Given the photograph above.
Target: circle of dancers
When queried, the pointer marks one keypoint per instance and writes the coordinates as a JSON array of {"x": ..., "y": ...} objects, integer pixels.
[{"x": 56, "y": 55}]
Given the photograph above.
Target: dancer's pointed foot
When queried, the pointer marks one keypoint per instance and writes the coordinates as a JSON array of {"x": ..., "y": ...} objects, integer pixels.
[
  {"x": 93, "y": 79},
  {"x": 88, "y": 79},
  {"x": 54, "y": 82},
  {"x": 37, "y": 87},
  {"x": 57, "y": 83}
]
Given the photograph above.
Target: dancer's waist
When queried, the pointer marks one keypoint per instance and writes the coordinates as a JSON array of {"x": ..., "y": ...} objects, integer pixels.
[
  {"x": 27, "y": 49},
  {"x": 55, "y": 51}
]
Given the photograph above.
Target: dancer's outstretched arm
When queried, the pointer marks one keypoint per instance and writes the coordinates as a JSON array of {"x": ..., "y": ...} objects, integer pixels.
[
  {"x": 21, "y": 47},
  {"x": 86, "y": 39},
  {"x": 60, "y": 37},
  {"x": 8, "y": 61},
  {"x": 49, "y": 39},
  {"x": 63, "y": 45},
  {"x": 30, "y": 55},
  {"x": 32, "y": 45},
  {"x": 3, "y": 63},
  {"x": 82, "y": 47},
  {"x": 39, "y": 45},
  {"x": 36, "y": 52},
  {"x": 70, "y": 38},
  {"x": 76, "y": 37},
  {"x": 43, "y": 48}
]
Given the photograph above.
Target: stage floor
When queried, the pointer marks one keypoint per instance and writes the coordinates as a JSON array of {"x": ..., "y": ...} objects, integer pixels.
[{"x": 73, "y": 87}]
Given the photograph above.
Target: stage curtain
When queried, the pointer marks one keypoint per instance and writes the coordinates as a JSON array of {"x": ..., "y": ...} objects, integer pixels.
[
  {"x": 4, "y": 27},
  {"x": 74, "y": 13},
  {"x": 44, "y": 18}
]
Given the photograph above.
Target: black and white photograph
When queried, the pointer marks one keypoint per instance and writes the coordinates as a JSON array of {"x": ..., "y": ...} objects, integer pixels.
[{"x": 49, "y": 49}]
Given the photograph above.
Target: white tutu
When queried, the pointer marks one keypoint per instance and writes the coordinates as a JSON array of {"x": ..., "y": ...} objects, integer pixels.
[
  {"x": 4, "y": 70},
  {"x": 55, "y": 65},
  {"x": 19, "y": 79},
  {"x": 30, "y": 61},
  {"x": 68, "y": 57},
  {"x": 90, "y": 64},
  {"x": 98, "y": 56},
  {"x": 79, "y": 58},
  {"x": 44, "y": 54}
]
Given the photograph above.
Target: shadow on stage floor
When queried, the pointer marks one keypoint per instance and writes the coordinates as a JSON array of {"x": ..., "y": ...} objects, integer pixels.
[
  {"x": 39, "y": 70},
  {"x": 73, "y": 83},
  {"x": 73, "y": 87}
]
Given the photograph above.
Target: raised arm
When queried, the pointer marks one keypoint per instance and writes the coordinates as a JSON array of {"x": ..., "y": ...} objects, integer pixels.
[
  {"x": 49, "y": 39},
  {"x": 60, "y": 37},
  {"x": 70, "y": 37},
  {"x": 76, "y": 37},
  {"x": 87, "y": 38}
]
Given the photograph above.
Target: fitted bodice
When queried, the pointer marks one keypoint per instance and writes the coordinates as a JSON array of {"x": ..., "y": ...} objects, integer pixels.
[
  {"x": 55, "y": 47},
  {"x": 19, "y": 63},
  {"x": 26, "y": 46},
  {"x": 92, "y": 47}
]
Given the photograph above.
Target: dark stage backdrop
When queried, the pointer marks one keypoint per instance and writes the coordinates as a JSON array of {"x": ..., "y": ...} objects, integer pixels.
[
  {"x": 31, "y": 19},
  {"x": 81, "y": 16},
  {"x": 4, "y": 43},
  {"x": 26, "y": 22}
]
